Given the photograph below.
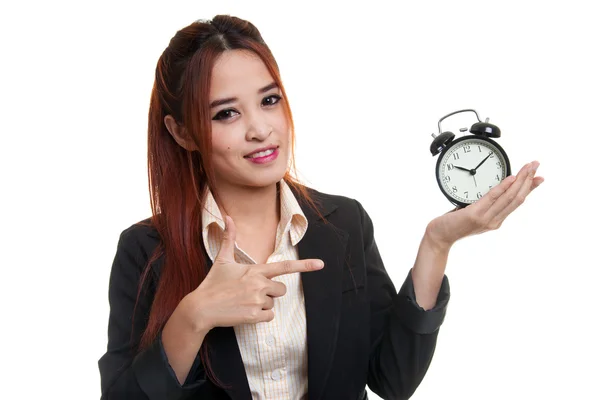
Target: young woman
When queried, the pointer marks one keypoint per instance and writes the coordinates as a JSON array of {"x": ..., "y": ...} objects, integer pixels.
[{"x": 244, "y": 284}]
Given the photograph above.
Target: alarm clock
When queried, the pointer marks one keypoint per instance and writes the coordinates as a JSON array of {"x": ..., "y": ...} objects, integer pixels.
[{"x": 470, "y": 166}]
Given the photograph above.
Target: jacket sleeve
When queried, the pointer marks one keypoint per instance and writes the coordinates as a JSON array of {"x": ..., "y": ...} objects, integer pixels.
[
  {"x": 124, "y": 372},
  {"x": 403, "y": 334}
]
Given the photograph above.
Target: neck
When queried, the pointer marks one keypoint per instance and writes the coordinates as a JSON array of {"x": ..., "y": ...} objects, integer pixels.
[{"x": 250, "y": 207}]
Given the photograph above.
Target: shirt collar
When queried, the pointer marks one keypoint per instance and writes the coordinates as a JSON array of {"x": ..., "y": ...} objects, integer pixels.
[{"x": 292, "y": 218}]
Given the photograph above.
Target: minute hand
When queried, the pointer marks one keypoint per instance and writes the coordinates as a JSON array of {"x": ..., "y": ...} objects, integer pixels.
[{"x": 483, "y": 161}]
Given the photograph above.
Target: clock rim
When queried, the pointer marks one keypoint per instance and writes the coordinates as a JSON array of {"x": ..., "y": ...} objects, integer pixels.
[{"x": 452, "y": 200}]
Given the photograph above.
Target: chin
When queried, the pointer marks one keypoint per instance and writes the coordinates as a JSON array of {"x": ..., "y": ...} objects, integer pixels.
[
  {"x": 266, "y": 177},
  {"x": 266, "y": 180},
  {"x": 262, "y": 179}
]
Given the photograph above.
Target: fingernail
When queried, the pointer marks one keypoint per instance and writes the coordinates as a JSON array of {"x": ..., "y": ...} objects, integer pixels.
[
  {"x": 535, "y": 166},
  {"x": 319, "y": 264}
]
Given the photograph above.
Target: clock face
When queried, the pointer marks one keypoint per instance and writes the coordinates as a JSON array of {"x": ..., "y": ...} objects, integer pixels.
[{"x": 470, "y": 168}]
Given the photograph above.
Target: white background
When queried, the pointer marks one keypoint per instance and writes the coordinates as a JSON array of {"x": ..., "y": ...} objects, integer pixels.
[{"x": 367, "y": 84}]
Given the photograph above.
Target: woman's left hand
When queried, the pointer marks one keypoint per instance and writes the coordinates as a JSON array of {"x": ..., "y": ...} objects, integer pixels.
[{"x": 487, "y": 213}]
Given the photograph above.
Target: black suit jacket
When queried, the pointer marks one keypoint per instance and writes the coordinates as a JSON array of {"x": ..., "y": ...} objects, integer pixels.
[{"x": 359, "y": 329}]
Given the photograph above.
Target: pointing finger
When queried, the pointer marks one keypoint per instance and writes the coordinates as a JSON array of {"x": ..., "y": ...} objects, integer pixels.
[{"x": 288, "y": 267}]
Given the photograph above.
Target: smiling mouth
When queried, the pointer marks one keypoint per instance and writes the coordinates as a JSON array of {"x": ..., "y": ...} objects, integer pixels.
[{"x": 263, "y": 153}]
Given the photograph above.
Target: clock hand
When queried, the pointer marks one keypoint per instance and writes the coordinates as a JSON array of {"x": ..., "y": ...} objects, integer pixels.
[
  {"x": 471, "y": 171},
  {"x": 475, "y": 180},
  {"x": 475, "y": 169},
  {"x": 464, "y": 169}
]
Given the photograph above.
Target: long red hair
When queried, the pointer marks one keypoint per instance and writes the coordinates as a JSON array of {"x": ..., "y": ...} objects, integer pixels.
[{"x": 178, "y": 179}]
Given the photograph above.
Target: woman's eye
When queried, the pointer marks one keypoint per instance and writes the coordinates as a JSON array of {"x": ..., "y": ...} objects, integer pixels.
[
  {"x": 271, "y": 100},
  {"x": 225, "y": 114}
]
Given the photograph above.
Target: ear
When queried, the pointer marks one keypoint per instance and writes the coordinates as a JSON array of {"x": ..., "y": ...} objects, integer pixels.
[{"x": 179, "y": 134}]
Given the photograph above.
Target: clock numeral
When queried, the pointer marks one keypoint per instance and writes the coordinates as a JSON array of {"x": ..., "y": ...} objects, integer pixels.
[
  {"x": 498, "y": 164},
  {"x": 466, "y": 195},
  {"x": 479, "y": 148},
  {"x": 456, "y": 156},
  {"x": 490, "y": 186},
  {"x": 467, "y": 149},
  {"x": 454, "y": 189},
  {"x": 498, "y": 178},
  {"x": 478, "y": 195},
  {"x": 492, "y": 156},
  {"x": 447, "y": 178},
  {"x": 450, "y": 166}
]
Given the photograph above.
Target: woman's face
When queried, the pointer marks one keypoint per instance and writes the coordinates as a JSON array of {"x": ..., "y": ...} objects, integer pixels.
[{"x": 250, "y": 132}]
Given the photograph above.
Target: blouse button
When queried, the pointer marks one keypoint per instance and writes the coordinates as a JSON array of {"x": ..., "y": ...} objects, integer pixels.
[{"x": 276, "y": 375}]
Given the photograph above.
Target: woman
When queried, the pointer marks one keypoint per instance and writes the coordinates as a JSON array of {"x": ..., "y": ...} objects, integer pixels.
[{"x": 246, "y": 284}]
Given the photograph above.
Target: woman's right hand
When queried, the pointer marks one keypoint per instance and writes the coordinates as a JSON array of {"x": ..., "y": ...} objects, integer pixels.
[{"x": 234, "y": 294}]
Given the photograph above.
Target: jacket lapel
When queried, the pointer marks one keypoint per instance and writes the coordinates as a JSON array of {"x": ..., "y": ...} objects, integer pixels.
[{"x": 322, "y": 294}]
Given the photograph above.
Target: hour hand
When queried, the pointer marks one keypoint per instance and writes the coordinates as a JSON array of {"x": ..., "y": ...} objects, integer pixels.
[{"x": 464, "y": 169}]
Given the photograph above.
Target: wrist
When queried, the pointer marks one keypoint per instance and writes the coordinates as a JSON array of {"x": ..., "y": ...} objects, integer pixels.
[
  {"x": 192, "y": 316},
  {"x": 434, "y": 243}
]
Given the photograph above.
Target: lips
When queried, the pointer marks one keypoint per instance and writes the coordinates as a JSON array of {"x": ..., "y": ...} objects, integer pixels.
[{"x": 262, "y": 152}]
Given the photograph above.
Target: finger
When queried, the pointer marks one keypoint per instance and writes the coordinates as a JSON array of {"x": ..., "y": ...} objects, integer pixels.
[
  {"x": 265, "y": 316},
  {"x": 493, "y": 195},
  {"x": 509, "y": 195},
  {"x": 537, "y": 181},
  {"x": 519, "y": 199},
  {"x": 269, "y": 303},
  {"x": 287, "y": 267},
  {"x": 226, "y": 252},
  {"x": 275, "y": 289}
]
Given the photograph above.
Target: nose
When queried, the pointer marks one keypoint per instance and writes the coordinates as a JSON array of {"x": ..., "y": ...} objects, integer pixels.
[{"x": 259, "y": 129}]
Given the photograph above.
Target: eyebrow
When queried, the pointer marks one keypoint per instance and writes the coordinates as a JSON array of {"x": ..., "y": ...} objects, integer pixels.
[{"x": 228, "y": 100}]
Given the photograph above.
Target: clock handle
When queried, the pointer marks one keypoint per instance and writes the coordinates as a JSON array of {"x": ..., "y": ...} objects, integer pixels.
[{"x": 455, "y": 112}]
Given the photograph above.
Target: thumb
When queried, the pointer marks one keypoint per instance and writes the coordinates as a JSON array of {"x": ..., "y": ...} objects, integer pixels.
[{"x": 226, "y": 252}]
